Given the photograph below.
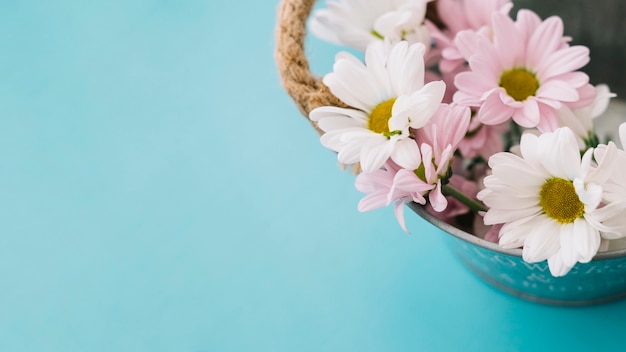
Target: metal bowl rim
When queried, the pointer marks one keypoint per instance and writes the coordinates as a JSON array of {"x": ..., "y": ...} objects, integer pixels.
[{"x": 467, "y": 237}]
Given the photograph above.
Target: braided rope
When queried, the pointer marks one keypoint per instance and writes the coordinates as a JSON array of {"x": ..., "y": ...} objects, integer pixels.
[{"x": 306, "y": 90}]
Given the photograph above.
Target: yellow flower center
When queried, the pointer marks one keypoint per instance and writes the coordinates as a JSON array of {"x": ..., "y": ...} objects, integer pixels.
[
  {"x": 379, "y": 117},
  {"x": 519, "y": 83},
  {"x": 559, "y": 200}
]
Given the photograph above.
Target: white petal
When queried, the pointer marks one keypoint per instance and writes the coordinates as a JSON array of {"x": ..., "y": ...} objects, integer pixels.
[
  {"x": 350, "y": 153},
  {"x": 339, "y": 123},
  {"x": 557, "y": 266},
  {"x": 336, "y": 140},
  {"x": 586, "y": 240},
  {"x": 542, "y": 241},
  {"x": 354, "y": 85},
  {"x": 590, "y": 194},
  {"x": 323, "y": 112},
  {"x": 406, "y": 153},
  {"x": 425, "y": 102},
  {"x": 514, "y": 234},
  {"x": 375, "y": 153},
  {"x": 561, "y": 155},
  {"x": 622, "y": 135},
  {"x": 602, "y": 100},
  {"x": 569, "y": 252},
  {"x": 376, "y": 60},
  {"x": 500, "y": 216},
  {"x": 406, "y": 68},
  {"x": 400, "y": 114}
]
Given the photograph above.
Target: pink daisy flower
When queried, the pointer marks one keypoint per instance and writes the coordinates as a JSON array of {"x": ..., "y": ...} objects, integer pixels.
[
  {"x": 526, "y": 73},
  {"x": 426, "y": 162}
]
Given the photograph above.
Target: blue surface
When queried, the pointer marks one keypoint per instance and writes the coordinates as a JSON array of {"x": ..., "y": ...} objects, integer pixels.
[{"x": 160, "y": 192}]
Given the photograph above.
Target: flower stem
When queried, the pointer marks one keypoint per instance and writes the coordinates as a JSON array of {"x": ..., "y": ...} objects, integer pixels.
[{"x": 458, "y": 195}]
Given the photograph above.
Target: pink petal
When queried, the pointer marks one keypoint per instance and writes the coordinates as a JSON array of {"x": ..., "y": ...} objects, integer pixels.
[
  {"x": 473, "y": 84},
  {"x": 466, "y": 99},
  {"x": 370, "y": 182},
  {"x": 563, "y": 61},
  {"x": 558, "y": 90},
  {"x": 467, "y": 43},
  {"x": 528, "y": 116},
  {"x": 493, "y": 111},
  {"x": 373, "y": 201},
  {"x": 506, "y": 40},
  {"x": 488, "y": 68},
  {"x": 406, "y": 182},
  {"x": 427, "y": 154},
  {"x": 587, "y": 94},
  {"x": 549, "y": 118},
  {"x": 545, "y": 40},
  {"x": 575, "y": 79},
  {"x": 437, "y": 199},
  {"x": 398, "y": 209},
  {"x": 527, "y": 22}
]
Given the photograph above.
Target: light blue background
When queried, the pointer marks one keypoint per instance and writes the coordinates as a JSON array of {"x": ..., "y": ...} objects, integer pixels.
[{"x": 160, "y": 192}]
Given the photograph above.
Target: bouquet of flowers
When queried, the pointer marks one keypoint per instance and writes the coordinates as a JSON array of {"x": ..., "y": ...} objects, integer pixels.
[{"x": 480, "y": 115}]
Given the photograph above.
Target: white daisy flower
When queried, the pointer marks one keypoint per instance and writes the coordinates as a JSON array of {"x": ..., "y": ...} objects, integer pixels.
[
  {"x": 548, "y": 199},
  {"x": 357, "y": 23},
  {"x": 388, "y": 97}
]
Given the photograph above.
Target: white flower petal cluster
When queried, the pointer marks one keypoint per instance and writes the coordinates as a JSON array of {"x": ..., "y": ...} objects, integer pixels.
[
  {"x": 551, "y": 199},
  {"x": 388, "y": 96},
  {"x": 357, "y": 23}
]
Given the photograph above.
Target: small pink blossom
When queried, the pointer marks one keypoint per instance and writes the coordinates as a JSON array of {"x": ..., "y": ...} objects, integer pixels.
[
  {"x": 384, "y": 187},
  {"x": 420, "y": 167}
]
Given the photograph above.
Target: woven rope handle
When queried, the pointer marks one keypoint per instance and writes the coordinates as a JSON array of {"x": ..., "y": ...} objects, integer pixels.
[{"x": 306, "y": 90}]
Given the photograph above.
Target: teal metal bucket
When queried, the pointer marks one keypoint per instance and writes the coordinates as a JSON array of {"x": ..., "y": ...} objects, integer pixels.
[{"x": 601, "y": 280}]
